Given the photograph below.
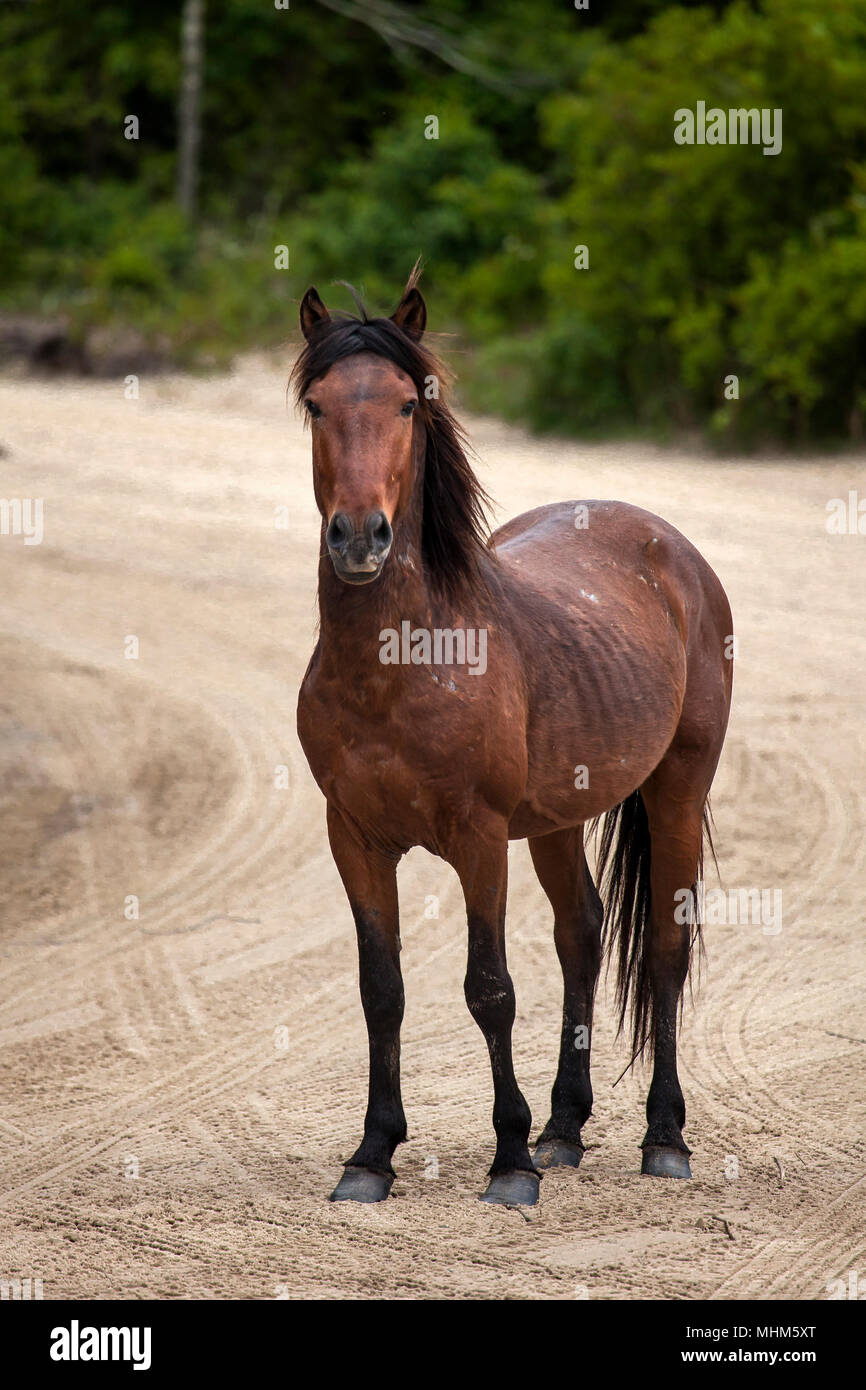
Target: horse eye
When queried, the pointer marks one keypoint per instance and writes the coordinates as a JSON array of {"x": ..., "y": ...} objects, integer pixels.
[
  {"x": 408, "y": 408},
  {"x": 313, "y": 410}
]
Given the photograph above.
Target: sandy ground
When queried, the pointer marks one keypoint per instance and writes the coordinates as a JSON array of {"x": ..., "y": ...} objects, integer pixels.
[{"x": 178, "y": 1092}]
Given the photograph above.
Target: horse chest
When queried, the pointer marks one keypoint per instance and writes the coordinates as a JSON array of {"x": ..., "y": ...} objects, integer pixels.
[{"x": 388, "y": 771}]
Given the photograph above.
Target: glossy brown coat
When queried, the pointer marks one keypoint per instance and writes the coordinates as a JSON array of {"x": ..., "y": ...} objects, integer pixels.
[{"x": 607, "y": 688}]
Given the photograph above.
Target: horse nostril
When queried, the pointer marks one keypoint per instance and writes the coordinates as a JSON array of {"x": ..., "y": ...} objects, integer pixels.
[
  {"x": 339, "y": 532},
  {"x": 378, "y": 531}
]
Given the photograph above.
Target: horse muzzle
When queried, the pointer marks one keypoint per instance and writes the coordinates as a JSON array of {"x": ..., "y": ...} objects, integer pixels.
[{"x": 358, "y": 556}]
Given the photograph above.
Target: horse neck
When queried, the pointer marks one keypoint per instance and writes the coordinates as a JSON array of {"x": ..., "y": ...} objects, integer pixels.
[{"x": 353, "y": 613}]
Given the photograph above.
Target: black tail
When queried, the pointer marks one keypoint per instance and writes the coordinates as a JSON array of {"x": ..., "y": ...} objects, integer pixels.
[{"x": 623, "y": 876}]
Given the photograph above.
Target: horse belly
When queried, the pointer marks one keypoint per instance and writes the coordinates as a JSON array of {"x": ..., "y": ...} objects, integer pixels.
[
  {"x": 596, "y": 733},
  {"x": 606, "y": 656}
]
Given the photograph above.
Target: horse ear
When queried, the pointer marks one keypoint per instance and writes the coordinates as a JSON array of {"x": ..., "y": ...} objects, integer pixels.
[
  {"x": 411, "y": 314},
  {"x": 313, "y": 312}
]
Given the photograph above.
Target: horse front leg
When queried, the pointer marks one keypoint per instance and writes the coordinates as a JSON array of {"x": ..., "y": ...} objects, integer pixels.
[
  {"x": 370, "y": 880},
  {"x": 482, "y": 865}
]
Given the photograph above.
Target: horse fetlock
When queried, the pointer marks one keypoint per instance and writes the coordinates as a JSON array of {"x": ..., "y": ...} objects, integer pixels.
[
  {"x": 665, "y": 1129},
  {"x": 375, "y": 1152}
]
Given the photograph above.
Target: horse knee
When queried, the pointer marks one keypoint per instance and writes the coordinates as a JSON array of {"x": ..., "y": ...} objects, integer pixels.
[{"x": 490, "y": 998}]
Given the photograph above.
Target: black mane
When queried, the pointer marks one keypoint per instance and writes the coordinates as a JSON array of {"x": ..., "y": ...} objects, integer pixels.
[{"x": 454, "y": 530}]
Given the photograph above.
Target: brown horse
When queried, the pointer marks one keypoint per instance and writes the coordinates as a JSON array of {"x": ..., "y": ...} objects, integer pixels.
[{"x": 465, "y": 691}]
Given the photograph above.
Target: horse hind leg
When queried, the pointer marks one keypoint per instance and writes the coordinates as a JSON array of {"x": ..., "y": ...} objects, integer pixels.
[
  {"x": 655, "y": 859},
  {"x": 676, "y": 829},
  {"x": 560, "y": 862}
]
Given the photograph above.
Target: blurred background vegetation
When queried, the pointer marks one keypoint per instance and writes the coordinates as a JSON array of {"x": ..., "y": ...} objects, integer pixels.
[{"x": 555, "y": 129}]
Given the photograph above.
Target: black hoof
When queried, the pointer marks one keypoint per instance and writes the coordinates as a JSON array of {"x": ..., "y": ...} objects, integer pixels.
[
  {"x": 518, "y": 1189},
  {"x": 665, "y": 1163},
  {"x": 362, "y": 1185},
  {"x": 555, "y": 1153}
]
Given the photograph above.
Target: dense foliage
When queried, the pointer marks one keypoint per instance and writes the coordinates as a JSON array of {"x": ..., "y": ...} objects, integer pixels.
[{"x": 555, "y": 130}]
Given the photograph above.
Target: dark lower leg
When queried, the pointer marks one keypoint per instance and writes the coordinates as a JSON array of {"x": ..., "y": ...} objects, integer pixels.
[
  {"x": 382, "y": 998},
  {"x": 370, "y": 880},
  {"x": 490, "y": 998},
  {"x": 665, "y": 1107},
  {"x": 562, "y": 870},
  {"x": 676, "y": 831},
  {"x": 674, "y": 797},
  {"x": 571, "y": 1096}
]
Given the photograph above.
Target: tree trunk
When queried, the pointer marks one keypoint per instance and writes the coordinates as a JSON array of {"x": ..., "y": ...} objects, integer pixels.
[{"x": 189, "y": 105}]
